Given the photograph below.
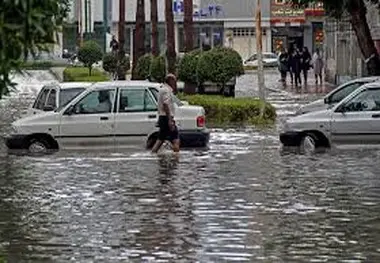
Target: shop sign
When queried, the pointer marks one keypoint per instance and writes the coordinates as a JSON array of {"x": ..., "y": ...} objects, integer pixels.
[
  {"x": 288, "y": 12},
  {"x": 210, "y": 11}
]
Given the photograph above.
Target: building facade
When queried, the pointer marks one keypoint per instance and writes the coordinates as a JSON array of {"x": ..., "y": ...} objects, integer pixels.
[
  {"x": 222, "y": 21},
  {"x": 344, "y": 60},
  {"x": 294, "y": 25}
]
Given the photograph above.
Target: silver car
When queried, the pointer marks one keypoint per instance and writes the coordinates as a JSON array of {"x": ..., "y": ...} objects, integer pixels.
[
  {"x": 354, "y": 120},
  {"x": 337, "y": 95}
]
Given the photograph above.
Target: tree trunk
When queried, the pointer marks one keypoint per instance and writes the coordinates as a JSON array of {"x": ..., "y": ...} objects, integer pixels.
[
  {"x": 170, "y": 38},
  {"x": 188, "y": 25},
  {"x": 121, "y": 30},
  {"x": 363, "y": 34},
  {"x": 154, "y": 27},
  {"x": 139, "y": 36}
]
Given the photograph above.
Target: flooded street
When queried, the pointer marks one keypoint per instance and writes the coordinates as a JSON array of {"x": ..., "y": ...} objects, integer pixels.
[{"x": 240, "y": 201}]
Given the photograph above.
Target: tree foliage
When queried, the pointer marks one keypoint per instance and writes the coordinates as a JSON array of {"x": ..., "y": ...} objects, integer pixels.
[
  {"x": 26, "y": 27},
  {"x": 89, "y": 54}
]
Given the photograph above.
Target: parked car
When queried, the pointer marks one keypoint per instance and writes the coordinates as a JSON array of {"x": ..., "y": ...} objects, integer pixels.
[
  {"x": 55, "y": 95},
  {"x": 269, "y": 60},
  {"x": 354, "y": 120},
  {"x": 336, "y": 95},
  {"x": 107, "y": 115}
]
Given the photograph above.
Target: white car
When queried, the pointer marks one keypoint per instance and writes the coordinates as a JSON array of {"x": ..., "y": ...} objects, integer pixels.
[
  {"x": 269, "y": 60},
  {"x": 336, "y": 95},
  {"x": 354, "y": 120},
  {"x": 55, "y": 95},
  {"x": 108, "y": 115}
]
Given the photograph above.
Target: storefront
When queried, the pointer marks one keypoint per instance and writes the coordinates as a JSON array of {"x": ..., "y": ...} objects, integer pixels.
[{"x": 287, "y": 23}]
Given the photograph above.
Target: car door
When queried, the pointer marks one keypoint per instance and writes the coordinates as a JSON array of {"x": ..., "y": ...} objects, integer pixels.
[
  {"x": 358, "y": 120},
  {"x": 89, "y": 121},
  {"x": 136, "y": 117}
]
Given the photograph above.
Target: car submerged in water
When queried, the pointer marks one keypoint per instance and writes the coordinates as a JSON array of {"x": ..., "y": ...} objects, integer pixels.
[
  {"x": 353, "y": 121},
  {"x": 337, "y": 95},
  {"x": 106, "y": 115}
]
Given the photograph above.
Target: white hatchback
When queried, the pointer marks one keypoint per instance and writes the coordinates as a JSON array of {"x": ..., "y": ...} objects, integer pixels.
[
  {"x": 336, "y": 95},
  {"x": 108, "y": 115},
  {"x": 55, "y": 95}
]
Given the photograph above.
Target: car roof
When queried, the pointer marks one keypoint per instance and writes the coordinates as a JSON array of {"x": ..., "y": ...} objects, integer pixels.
[
  {"x": 371, "y": 85},
  {"x": 365, "y": 79},
  {"x": 73, "y": 85},
  {"x": 127, "y": 83}
]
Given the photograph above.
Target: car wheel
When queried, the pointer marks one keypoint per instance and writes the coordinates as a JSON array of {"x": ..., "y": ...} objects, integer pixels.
[
  {"x": 38, "y": 146},
  {"x": 309, "y": 144}
]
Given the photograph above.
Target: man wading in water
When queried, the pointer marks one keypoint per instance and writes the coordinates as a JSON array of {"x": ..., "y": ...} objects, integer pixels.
[{"x": 168, "y": 129}]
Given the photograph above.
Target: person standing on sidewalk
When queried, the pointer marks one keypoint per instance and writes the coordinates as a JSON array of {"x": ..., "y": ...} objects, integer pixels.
[
  {"x": 166, "y": 123},
  {"x": 318, "y": 65},
  {"x": 305, "y": 65}
]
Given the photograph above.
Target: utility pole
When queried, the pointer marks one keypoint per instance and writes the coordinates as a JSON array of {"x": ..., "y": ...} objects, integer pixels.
[
  {"x": 105, "y": 23},
  {"x": 121, "y": 72},
  {"x": 259, "y": 47}
]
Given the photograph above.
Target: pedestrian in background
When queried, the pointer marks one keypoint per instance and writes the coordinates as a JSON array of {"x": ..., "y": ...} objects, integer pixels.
[
  {"x": 318, "y": 65},
  {"x": 306, "y": 63},
  {"x": 283, "y": 64},
  {"x": 114, "y": 45},
  {"x": 295, "y": 65}
]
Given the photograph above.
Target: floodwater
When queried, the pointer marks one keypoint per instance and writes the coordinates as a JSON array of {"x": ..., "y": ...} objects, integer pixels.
[{"x": 241, "y": 201}]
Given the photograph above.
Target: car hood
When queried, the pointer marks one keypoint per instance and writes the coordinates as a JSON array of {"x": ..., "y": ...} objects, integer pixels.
[
  {"x": 40, "y": 117},
  {"x": 308, "y": 121},
  {"x": 313, "y": 106}
]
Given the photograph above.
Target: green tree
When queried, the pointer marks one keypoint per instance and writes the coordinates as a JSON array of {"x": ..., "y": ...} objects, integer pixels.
[
  {"x": 357, "y": 10},
  {"x": 89, "y": 54},
  {"x": 26, "y": 27}
]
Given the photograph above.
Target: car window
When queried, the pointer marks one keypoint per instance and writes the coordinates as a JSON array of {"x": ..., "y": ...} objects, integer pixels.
[
  {"x": 52, "y": 99},
  {"x": 67, "y": 95},
  {"x": 176, "y": 100},
  {"x": 40, "y": 103},
  {"x": 367, "y": 100},
  {"x": 344, "y": 92},
  {"x": 136, "y": 100},
  {"x": 98, "y": 101},
  {"x": 270, "y": 56}
]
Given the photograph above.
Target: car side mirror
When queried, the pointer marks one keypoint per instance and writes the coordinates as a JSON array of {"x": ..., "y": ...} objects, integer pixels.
[
  {"x": 342, "y": 108},
  {"x": 69, "y": 111},
  {"x": 48, "y": 108},
  {"x": 326, "y": 100}
]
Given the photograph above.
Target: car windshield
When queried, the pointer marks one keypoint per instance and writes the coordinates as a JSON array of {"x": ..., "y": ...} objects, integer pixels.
[
  {"x": 175, "y": 98},
  {"x": 345, "y": 91},
  {"x": 66, "y": 95},
  {"x": 270, "y": 56}
]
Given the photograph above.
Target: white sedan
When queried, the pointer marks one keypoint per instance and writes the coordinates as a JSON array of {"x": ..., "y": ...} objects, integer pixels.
[
  {"x": 269, "y": 60},
  {"x": 107, "y": 115}
]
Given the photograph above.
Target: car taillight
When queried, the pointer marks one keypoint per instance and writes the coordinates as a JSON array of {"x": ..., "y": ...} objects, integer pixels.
[{"x": 201, "y": 121}]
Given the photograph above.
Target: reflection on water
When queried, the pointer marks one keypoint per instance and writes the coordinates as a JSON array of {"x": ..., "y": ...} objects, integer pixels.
[{"x": 242, "y": 200}]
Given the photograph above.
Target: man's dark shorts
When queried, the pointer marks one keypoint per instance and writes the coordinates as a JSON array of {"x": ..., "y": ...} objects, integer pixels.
[{"x": 165, "y": 133}]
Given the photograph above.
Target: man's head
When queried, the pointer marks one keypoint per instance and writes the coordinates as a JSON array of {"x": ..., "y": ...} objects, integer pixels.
[
  {"x": 171, "y": 80},
  {"x": 103, "y": 96}
]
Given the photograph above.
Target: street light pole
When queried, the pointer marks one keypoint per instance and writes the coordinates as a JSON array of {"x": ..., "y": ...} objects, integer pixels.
[
  {"x": 105, "y": 23},
  {"x": 259, "y": 47}
]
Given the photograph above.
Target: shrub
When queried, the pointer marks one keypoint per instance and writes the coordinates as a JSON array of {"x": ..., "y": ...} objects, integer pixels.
[
  {"x": 89, "y": 54},
  {"x": 222, "y": 111},
  {"x": 110, "y": 63},
  {"x": 142, "y": 69},
  {"x": 187, "y": 69},
  {"x": 72, "y": 74},
  {"x": 219, "y": 65},
  {"x": 158, "y": 69}
]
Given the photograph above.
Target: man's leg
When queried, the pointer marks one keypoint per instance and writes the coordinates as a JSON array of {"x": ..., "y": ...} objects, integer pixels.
[
  {"x": 176, "y": 145},
  {"x": 157, "y": 146}
]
